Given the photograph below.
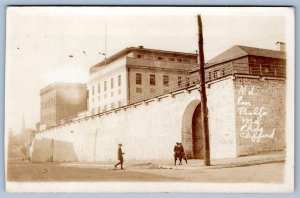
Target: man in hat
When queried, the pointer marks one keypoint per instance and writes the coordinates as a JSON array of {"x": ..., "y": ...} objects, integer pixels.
[
  {"x": 177, "y": 153},
  {"x": 120, "y": 157},
  {"x": 182, "y": 153}
]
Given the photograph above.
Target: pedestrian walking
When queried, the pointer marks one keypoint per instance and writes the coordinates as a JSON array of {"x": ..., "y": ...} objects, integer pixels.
[{"x": 120, "y": 157}]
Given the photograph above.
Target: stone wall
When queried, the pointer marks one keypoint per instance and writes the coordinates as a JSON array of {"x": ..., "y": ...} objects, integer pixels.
[
  {"x": 149, "y": 130},
  {"x": 260, "y": 115},
  {"x": 146, "y": 130},
  {"x": 220, "y": 103}
]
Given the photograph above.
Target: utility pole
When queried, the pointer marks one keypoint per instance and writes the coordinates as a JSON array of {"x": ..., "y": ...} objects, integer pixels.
[{"x": 204, "y": 117}]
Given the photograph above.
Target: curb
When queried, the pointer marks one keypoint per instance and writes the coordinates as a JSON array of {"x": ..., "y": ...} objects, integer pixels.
[{"x": 219, "y": 166}]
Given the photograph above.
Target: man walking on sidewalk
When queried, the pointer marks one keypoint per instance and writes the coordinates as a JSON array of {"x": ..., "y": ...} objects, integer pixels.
[{"x": 120, "y": 157}]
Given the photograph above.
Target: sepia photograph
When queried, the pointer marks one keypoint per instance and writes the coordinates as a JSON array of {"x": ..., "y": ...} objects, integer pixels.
[{"x": 149, "y": 99}]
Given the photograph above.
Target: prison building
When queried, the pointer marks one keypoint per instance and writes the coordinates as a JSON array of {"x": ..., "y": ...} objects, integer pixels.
[
  {"x": 135, "y": 74},
  {"x": 61, "y": 101},
  {"x": 244, "y": 60}
]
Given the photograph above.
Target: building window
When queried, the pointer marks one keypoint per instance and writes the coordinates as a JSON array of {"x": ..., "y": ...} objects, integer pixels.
[
  {"x": 99, "y": 88},
  {"x": 112, "y": 83},
  {"x": 105, "y": 85},
  {"x": 104, "y": 108},
  {"x": 120, "y": 103},
  {"x": 172, "y": 59},
  {"x": 149, "y": 57},
  {"x": 186, "y": 60},
  {"x": 105, "y": 96},
  {"x": 215, "y": 74},
  {"x": 138, "y": 78},
  {"x": 112, "y": 105},
  {"x": 152, "y": 90},
  {"x": 112, "y": 94},
  {"x": 99, "y": 109},
  {"x": 166, "y": 80},
  {"x": 209, "y": 75},
  {"x": 179, "y": 60},
  {"x": 179, "y": 81},
  {"x": 92, "y": 99},
  {"x": 152, "y": 79},
  {"x": 138, "y": 90},
  {"x": 119, "y": 91},
  {"x": 139, "y": 56},
  {"x": 98, "y": 98},
  {"x": 119, "y": 80},
  {"x": 159, "y": 58},
  {"x": 187, "y": 81},
  {"x": 223, "y": 72},
  {"x": 93, "y": 90}
]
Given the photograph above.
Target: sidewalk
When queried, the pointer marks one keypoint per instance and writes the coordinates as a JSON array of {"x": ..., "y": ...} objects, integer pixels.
[{"x": 262, "y": 158}]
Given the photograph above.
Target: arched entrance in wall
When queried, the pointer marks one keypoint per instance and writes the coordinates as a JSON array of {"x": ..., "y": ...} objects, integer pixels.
[{"x": 192, "y": 133}]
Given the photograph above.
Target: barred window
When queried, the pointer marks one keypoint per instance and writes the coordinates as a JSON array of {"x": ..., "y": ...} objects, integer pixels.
[
  {"x": 105, "y": 85},
  {"x": 112, "y": 83},
  {"x": 209, "y": 75},
  {"x": 138, "y": 78},
  {"x": 152, "y": 79},
  {"x": 179, "y": 81},
  {"x": 138, "y": 90},
  {"x": 119, "y": 80},
  {"x": 166, "y": 80}
]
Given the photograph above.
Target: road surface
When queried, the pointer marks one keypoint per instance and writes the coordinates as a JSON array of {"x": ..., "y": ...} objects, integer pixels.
[{"x": 26, "y": 171}]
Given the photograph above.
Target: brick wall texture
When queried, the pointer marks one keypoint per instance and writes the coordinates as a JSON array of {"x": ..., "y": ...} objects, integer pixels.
[{"x": 260, "y": 115}]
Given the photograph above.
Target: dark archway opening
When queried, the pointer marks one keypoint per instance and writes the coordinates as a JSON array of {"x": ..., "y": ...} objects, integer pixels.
[
  {"x": 197, "y": 134},
  {"x": 192, "y": 133}
]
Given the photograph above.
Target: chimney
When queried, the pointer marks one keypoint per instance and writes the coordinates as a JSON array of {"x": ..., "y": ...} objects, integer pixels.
[
  {"x": 141, "y": 47},
  {"x": 280, "y": 46}
]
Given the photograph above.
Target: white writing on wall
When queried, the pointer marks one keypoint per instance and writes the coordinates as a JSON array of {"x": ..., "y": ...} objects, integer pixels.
[{"x": 251, "y": 116}]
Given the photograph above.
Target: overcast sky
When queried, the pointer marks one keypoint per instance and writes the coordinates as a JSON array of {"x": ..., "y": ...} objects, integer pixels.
[{"x": 40, "y": 41}]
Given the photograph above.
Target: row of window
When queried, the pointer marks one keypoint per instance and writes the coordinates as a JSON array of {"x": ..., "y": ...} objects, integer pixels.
[
  {"x": 105, "y": 85},
  {"x": 152, "y": 90},
  {"x": 105, "y": 95},
  {"x": 172, "y": 59},
  {"x": 47, "y": 119},
  {"x": 216, "y": 74},
  {"x": 105, "y": 107},
  {"x": 49, "y": 103},
  {"x": 138, "y": 79}
]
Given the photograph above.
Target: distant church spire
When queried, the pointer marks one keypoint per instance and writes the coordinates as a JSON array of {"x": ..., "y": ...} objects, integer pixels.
[{"x": 23, "y": 124}]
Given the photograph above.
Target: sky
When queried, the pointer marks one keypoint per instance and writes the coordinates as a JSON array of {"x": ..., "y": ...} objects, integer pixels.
[{"x": 59, "y": 44}]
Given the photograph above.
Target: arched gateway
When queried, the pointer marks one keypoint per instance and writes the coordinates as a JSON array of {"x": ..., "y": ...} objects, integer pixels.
[{"x": 192, "y": 133}]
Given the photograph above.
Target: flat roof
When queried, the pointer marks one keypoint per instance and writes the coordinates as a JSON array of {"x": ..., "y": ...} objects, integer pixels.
[
  {"x": 130, "y": 49},
  {"x": 59, "y": 84}
]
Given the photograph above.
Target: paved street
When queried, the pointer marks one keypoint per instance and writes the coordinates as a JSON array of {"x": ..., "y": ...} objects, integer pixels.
[{"x": 26, "y": 171}]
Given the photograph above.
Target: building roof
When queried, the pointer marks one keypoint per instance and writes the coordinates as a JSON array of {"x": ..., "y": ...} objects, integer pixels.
[
  {"x": 238, "y": 51},
  {"x": 127, "y": 50},
  {"x": 60, "y": 84}
]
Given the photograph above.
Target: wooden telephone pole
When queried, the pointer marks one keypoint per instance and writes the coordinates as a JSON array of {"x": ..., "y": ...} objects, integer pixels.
[{"x": 204, "y": 117}]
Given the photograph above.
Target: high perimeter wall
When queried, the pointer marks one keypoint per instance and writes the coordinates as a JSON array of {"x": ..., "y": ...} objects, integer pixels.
[
  {"x": 149, "y": 130},
  {"x": 146, "y": 130},
  {"x": 260, "y": 114}
]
